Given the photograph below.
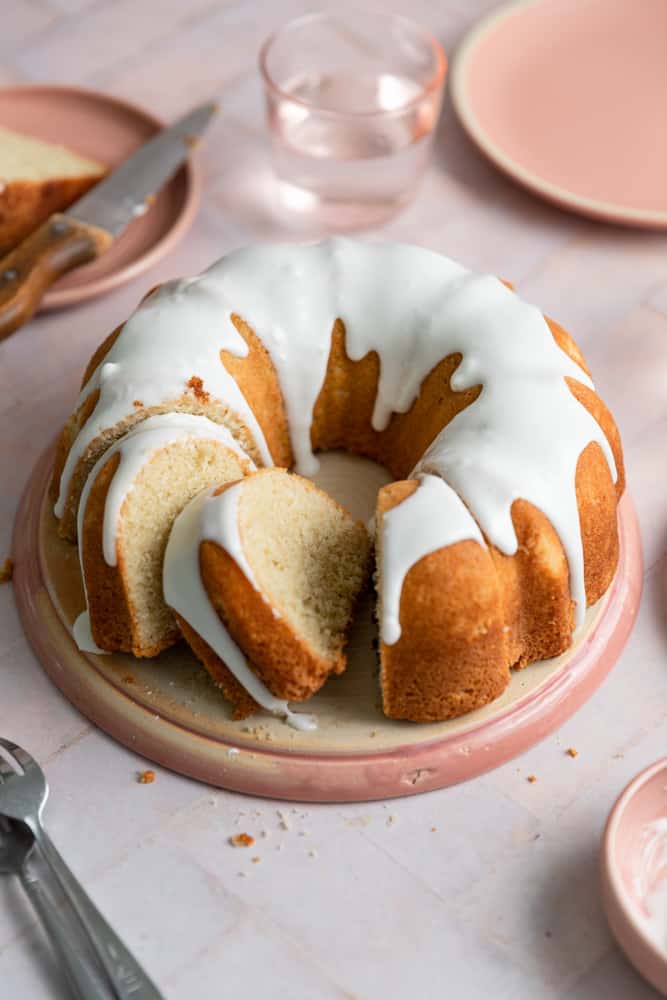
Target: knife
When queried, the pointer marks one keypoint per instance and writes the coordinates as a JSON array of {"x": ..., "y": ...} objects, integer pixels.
[{"x": 93, "y": 223}]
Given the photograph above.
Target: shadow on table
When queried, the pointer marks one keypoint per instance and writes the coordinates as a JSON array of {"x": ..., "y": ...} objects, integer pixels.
[
  {"x": 30, "y": 939},
  {"x": 571, "y": 930}
]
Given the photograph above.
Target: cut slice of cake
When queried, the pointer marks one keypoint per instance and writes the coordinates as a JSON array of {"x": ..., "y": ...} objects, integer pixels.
[
  {"x": 127, "y": 508},
  {"x": 38, "y": 178},
  {"x": 263, "y": 576}
]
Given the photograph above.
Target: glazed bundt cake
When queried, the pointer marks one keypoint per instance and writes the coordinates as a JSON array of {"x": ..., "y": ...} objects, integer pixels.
[
  {"x": 127, "y": 509},
  {"x": 502, "y": 526},
  {"x": 267, "y": 569}
]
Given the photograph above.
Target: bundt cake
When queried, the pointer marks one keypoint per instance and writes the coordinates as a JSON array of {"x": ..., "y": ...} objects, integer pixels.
[
  {"x": 37, "y": 179},
  {"x": 266, "y": 570},
  {"x": 502, "y": 526},
  {"x": 127, "y": 508}
]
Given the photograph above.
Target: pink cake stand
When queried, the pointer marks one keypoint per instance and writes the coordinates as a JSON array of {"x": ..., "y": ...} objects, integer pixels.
[{"x": 169, "y": 711}]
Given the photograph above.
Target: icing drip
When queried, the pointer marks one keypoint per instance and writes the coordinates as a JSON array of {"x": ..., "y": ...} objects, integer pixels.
[
  {"x": 175, "y": 334},
  {"x": 524, "y": 434},
  {"x": 209, "y": 518},
  {"x": 82, "y": 633},
  {"x": 135, "y": 450},
  {"x": 650, "y": 882},
  {"x": 429, "y": 519},
  {"x": 219, "y": 523},
  {"x": 387, "y": 297}
]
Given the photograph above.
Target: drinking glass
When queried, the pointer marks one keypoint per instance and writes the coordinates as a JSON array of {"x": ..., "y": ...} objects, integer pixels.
[{"x": 353, "y": 99}]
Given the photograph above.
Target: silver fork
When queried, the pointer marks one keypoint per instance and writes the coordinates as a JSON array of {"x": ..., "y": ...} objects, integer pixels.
[
  {"x": 23, "y": 793},
  {"x": 16, "y": 843}
]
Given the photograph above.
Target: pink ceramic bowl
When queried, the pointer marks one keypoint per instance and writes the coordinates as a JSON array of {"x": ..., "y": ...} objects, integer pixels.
[{"x": 642, "y": 803}]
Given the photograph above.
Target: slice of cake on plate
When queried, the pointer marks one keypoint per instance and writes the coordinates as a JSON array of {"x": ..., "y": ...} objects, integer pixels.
[{"x": 38, "y": 178}]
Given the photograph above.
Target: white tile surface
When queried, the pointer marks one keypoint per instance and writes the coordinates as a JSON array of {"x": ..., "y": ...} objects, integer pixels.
[{"x": 501, "y": 898}]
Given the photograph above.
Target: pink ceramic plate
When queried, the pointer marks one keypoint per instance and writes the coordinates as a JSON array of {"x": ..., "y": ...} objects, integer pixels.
[
  {"x": 642, "y": 802},
  {"x": 568, "y": 97},
  {"x": 109, "y": 130},
  {"x": 168, "y": 710}
]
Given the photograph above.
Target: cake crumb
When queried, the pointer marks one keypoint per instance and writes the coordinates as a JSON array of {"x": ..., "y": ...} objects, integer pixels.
[
  {"x": 197, "y": 385},
  {"x": 284, "y": 822},
  {"x": 359, "y": 821},
  {"x": 256, "y": 860},
  {"x": 241, "y": 840},
  {"x": 7, "y": 571},
  {"x": 138, "y": 403},
  {"x": 572, "y": 752},
  {"x": 146, "y": 777},
  {"x": 434, "y": 829},
  {"x": 531, "y": 778}
]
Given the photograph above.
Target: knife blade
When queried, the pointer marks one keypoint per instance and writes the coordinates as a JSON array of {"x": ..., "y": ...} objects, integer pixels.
[
  {"x": 92, "y": 224},
  {"x": 122, "y": 196}
]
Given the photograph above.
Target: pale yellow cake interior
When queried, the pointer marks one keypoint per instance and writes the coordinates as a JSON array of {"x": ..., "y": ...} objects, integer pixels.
[
  {"x": 308, "y": 556},
  {"x": 25, "y": 158}
]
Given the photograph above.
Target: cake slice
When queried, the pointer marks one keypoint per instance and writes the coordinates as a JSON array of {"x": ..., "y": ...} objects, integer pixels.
[
  {"x": 37, "y": 178},
  {"x": 263, "y": 576},
  {"x": 127, "y": 508}
]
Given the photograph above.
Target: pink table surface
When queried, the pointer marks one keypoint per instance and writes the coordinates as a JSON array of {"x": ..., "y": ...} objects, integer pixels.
[{"x": 488, "y": 888}]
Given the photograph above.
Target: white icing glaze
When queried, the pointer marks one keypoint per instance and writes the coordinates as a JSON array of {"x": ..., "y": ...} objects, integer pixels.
[
  {"x": 175, "y": 334},
  {"x": 83, "y": 635},
  {"x": 429, "y": 519},
  {"x": 210, "y": 518},
  {"x": 220, "y": 523},
  {"x": 521, "y": 438},
  {"x": 135, "y": 449},
  {"x": 524, "y": 434},
  {"x": 650, "y": 882}
]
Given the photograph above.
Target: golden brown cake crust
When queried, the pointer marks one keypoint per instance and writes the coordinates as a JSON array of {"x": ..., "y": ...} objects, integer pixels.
[
  {"x": 242, "y": 704},
  {"x": 279, "y": 657},
  {"x": 110, "y": 615}
]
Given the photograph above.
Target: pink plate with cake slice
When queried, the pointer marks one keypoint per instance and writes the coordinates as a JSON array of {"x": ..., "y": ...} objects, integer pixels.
[
  {"x": 569, "y": 98},
  {"x": 108, "y": 130},
  {"x": 169, "y": 710}
]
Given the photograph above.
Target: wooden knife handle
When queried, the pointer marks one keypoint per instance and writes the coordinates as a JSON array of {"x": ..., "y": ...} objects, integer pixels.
[{"x": 60, "y": 244}]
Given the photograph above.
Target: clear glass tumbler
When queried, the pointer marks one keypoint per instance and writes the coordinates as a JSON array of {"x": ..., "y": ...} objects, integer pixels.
[{"x": 353, "y": 99}]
